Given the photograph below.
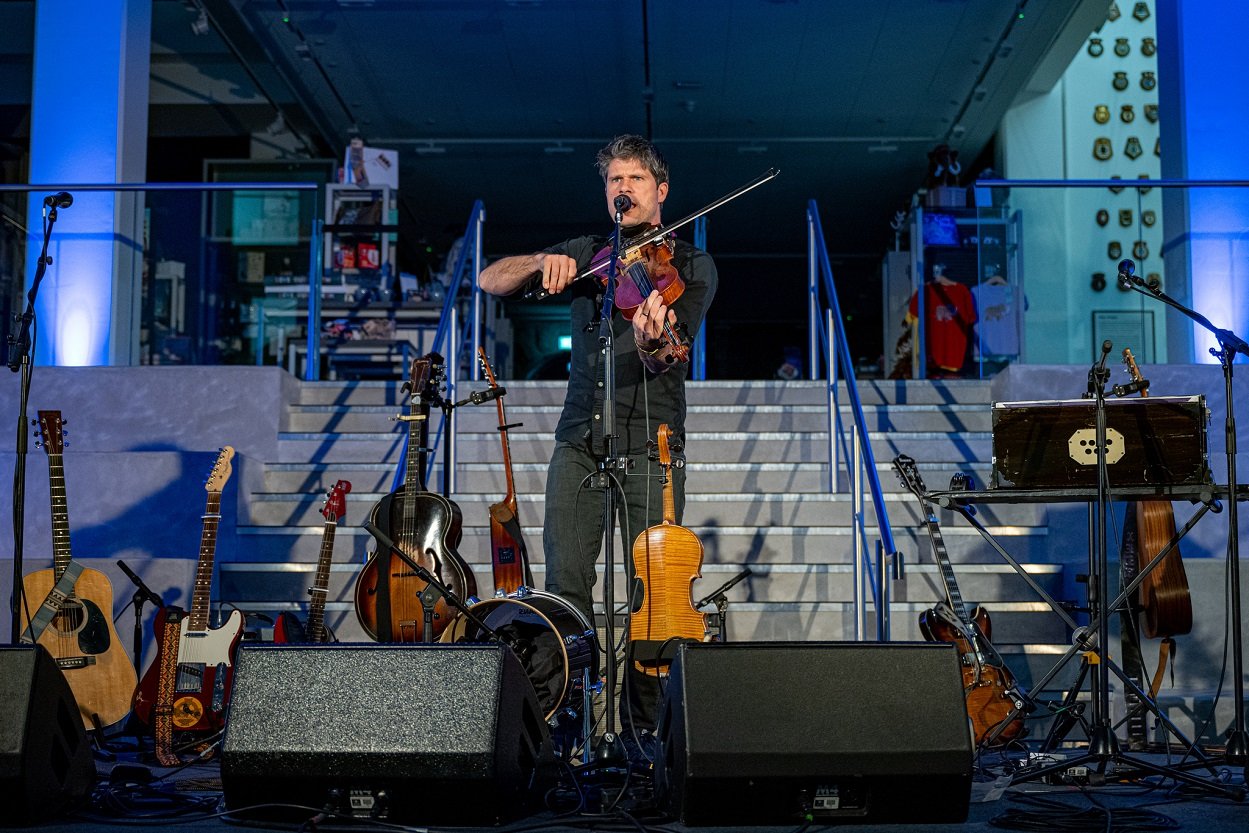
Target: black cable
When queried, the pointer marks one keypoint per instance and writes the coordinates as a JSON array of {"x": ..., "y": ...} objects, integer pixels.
[{"x": 1053, "y": 816}]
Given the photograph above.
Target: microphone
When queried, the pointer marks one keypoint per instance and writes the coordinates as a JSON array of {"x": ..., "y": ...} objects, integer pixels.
[
  {"x": 1106, "y": 347},
  {"x": 144, "y": 591},
  {"x": 622, "y": 203},
  {"x": 62, "y": 199},
  {"x": 478, "y": 397},
  {"x": 1126, "y": 270}
]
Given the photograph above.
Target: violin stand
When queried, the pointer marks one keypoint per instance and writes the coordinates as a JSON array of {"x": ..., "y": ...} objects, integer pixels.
[{"x": 1103, "y": 745}]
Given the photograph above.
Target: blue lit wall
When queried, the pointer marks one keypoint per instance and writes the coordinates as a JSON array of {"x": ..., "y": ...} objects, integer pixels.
[
  {"x": 83, "y": 130},
  {"x": 1205, "y": 122}
]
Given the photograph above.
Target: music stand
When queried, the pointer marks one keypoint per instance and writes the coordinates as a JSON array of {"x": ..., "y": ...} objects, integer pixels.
[{"x": 1103, "y": 746}]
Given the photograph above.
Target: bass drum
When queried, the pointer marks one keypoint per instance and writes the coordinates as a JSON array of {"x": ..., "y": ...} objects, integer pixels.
[{"x": 552, "y": 639}]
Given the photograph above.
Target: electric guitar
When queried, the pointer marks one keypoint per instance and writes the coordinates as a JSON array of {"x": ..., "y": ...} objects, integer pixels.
[
  {"x": 80, "y": 635},
  {"x": 204, "y": 656},
  {"x": 988, "y": 686},
  {"x": 288, "y": 628}
]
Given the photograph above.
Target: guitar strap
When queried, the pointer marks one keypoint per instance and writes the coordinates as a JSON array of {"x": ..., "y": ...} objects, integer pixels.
[
  {"x": 1166, "y": 652},
  {"x": 166, "y": 683},
  {"x": 52, "y": 604}
]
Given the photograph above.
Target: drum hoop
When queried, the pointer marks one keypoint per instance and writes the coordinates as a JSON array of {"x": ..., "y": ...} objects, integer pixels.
[{"x": 563, "y": 649}]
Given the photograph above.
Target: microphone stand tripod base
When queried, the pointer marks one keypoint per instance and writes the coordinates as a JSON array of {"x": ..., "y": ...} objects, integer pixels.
[{"x": 610, "y": 749}]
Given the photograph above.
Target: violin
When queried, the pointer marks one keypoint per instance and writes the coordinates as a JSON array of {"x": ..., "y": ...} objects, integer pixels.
[
  {"x": 666, "y": 558},
  {"x": 648, "y": 269}
]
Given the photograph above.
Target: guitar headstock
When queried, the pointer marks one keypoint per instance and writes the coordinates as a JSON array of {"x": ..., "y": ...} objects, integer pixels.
[
  {"x": 1133, "y": 370},
  {"x": 908, "y": 474},
  {"x": 51, "y": 432},
  {"x": 485, "y": 367},
  {"x": 336, "y": 501},
  {"x": 418, "y": 377},
  {"x": 221, "y": 470}
]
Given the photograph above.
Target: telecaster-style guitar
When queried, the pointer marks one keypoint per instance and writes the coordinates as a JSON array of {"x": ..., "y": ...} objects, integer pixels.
[
  {"x": 988, "y": 686},
  {"x": 288, "y": 628},
  {"x": 205, "y": 655},
  {"x": 80, "y": 634}
]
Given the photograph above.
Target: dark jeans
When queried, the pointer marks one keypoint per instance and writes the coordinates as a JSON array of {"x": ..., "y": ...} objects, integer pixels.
[{"x": 572, "y": 539}]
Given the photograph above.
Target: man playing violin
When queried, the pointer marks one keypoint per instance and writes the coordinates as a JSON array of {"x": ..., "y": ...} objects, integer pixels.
[{"x": 650, "y": 388}]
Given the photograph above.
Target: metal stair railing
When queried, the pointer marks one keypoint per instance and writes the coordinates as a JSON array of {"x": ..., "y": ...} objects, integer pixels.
[{"x": 828, "y": 331}]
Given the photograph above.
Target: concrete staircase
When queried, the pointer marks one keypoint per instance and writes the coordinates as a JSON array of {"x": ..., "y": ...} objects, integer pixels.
[{"x": 757, "y": 495}]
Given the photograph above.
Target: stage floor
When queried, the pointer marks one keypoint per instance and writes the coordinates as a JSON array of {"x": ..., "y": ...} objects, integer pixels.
[{"x": 191, "y": 799}]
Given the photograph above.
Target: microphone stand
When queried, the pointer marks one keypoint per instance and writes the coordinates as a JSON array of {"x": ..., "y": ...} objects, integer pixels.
[
  {"x": 722, "y": 602},
  {"x": 610, "y": 747},
  {"x": 1237, "y": 750},
  {"x": 19, "y": 359},
  {"x": 142, "y": 594},
  {"x": 439, "y": 589}
]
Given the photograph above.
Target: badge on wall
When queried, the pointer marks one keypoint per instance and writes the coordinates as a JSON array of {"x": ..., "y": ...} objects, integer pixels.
[
  {"x": 1151, "y": 113},
  {"x": 1113, "y": 13},
  {"x": 1132, "y": 148},
  {"x": 1095, "y": 47},
  {"x": 1115, "y": 189},
  {"x": 1148, "y": 47},
  {"x": 1125, "y": 217},
  {"x": 1145, "y": 189},
  {"x": 1126, "y": 114},
  {"x": 1102, "y": 149},
  {"x": 1122, "y": 47},
  {"x": 1103, "y": 217},
  {"x": 1099, "y": 281},
  {"x": 1114, "y": 251},
  {"x": 1149, "y": 216},
  {"x": 1101, "y": 114},
  {"x": 1148, "y": 81},
  {"x": 1153, "y": 280},
  {"x": 1120, "y": 81},
  {"x": 1140, "y": 250},
  {"x": 1141, "y": 12}
]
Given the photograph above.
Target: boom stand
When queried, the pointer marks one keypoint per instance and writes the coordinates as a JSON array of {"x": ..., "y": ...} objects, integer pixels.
[
  {"x": 1103, "y": 745},
  {"x": 19, "y": 359},
  {"x": 1237, "y": 750},
  {"x": 609, "y": 747}
]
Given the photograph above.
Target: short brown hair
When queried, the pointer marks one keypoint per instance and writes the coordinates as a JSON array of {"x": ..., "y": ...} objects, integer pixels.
[{"x": 632, "y": 146}]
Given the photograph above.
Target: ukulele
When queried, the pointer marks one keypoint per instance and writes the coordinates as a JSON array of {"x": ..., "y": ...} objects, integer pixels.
[
  {"x": 204, "y": 656},
  {"x": 988, "y": 686},
  {"x": 666, "y": 558},
  {"x": 1163, "y": 594},
  {"x": 425, "y": 529},
  {"x": 288, "y": 629},
  {"x": 508, "y": 556},
  {"x": 79, "y": 634}
]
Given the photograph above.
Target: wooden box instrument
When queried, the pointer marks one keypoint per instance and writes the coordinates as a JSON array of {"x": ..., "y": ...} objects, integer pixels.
[{"x": 1158, "y": 441}]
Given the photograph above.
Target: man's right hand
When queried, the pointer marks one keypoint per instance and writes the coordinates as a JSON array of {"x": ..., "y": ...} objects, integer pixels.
[{"x": 558, "y": 272}]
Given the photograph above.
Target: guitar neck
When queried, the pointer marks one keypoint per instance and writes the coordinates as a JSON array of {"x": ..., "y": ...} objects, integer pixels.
[
  {"x": 949, "y": 582},
  {"x": 321, "y": 585},
  {"x": 61, "y": 555},
  {"x": 197, "y": 620}
]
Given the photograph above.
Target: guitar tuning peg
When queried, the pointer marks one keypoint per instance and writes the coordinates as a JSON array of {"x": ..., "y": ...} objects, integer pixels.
[{"x": 678, "y": 462}]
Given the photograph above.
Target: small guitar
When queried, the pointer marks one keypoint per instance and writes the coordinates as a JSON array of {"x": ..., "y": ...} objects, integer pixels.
[
  {"x": 1163, "y": 595},
  {"x": 988, "y": 686},
  {"x": 204, "y": 656},
  {"x": 288, "y": 629},
  {"x": 508, "y": 555},
  {"x": 667, "y": 558},
  {"x": 80, "y": 635}
]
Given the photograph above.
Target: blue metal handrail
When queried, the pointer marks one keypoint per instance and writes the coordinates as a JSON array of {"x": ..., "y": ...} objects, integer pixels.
[{"x": 839, "y": 359}]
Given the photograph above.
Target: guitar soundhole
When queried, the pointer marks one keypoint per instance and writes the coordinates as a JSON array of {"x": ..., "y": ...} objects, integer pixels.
[{"x": 70, "y": 618}]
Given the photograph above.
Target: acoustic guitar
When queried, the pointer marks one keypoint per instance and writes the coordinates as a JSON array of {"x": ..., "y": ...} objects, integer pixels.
[
  {"x": 425, "y": 528},
  {"x": 204, "y": 656},
  {"x": 988, "y": 686},
  {"x": 80, "y": 635},
  {"x": 288, "y": 629},
  {"x": 667, "y": 558},
  {"x": 1163, "y": 595},
  {"x": 508, "y": 556}
]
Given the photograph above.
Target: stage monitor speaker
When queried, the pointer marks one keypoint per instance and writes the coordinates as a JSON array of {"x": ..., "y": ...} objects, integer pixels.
[
  {"x": 46, "y": 764},
  {"x": 782, "y": 733},
  {"x": 442, "y": 734}
]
